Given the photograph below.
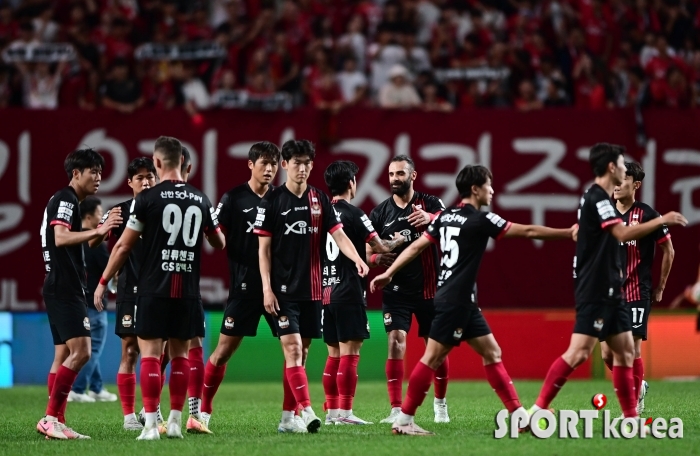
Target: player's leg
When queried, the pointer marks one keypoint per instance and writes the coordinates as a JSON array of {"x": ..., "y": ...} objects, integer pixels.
[
  {"x": 151, "y": 349},
  {"x": 126, "y": 382},
  {"x": 640, "y": 321},
  {"x": 330, "y": 371},
  {"x": 606, "y": 354},
  {"x": 195, "y": 356},
  {"x": 397, "y": 323},
  {"x": 215, "y": 370},
  {"x": 61, "y": 352},
  {"x": 425, "y": 314},
  {"x": 619, "y": 338},
  {"x": 179, "y": 379}
]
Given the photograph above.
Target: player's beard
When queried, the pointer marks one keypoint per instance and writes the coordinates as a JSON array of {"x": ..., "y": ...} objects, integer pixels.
[{"x": 402, "y": 189}]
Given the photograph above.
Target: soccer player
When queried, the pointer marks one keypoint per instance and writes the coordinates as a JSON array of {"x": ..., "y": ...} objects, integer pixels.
[
  {"x": 345, "y": 324},
  {"x": 639, "y": 256},
  {"x": 601, "y": 313},
  {"x": 293, "y": 221},
  {"x": 461, "y": 232},
  {"x": 141, "y": 175},
  {"x": 409, "y": 212},
  {"x": 64, "y": 284},
  {"x": 172, "y": 219},
  {"x": 236, "y": 213}
]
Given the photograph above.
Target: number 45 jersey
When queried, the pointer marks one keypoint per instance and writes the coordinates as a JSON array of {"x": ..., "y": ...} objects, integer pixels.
[
  {"x": 172, "y": 218},
  {"x": 462, "y": 233}
]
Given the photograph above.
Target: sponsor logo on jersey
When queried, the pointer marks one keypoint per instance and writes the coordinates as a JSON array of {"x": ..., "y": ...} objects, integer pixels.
[
  {"x": 598, "y": 324},
  {"x": 396, "y": 288},
  {"x": 298, "y": 227},
  {"x": 127, "y": 321},
  {"x": 457, "y": 334},
  {"x": 283, "y": 322},
  {"x": 228, "y": 323},
  {"x": 387, "y": 319},
  {"x": 283, "y": 288},
  {"x": 86, "y": 323},
  {"x": 316, "y": 210},
  {"x": 244, "y": 286}
]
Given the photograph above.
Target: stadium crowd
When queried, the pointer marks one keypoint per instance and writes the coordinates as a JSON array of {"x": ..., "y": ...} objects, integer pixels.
[{"x": 436, "y": 55}]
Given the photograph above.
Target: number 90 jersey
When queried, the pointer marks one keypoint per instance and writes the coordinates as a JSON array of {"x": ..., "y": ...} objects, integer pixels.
[
  {"x": 462, "y": 233},
  {"x": 171, "y": 218}
]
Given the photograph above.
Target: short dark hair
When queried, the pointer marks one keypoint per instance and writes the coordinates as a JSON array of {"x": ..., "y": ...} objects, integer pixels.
[
  {"x": 404, "y": 158},
  {"x": 264, "y": 149},
  {"x": 338, "y": 176},
  {"x": 298, "y": 148},
  {"x": 186, "y": 159},
  {"x": 81, "y": 160},
  {"x": 635, "y": 170},
  {"x": 601, "y": 155},
  {"x": 140, "y": 163},
  {"x": 471, "y": 175},
  {"x": 88, "y": 206},
  {"x": 170, "y": 148}
]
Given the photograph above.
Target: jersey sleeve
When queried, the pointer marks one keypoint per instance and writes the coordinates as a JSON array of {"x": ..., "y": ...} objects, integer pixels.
[
  {"x": 434, "y": 205},
  {"x": 604, "y": 209},
  {"x": 364, "y": 225},
  {"x": 265, "y": 220},
  {"x": 64, "y": 211},
  {"x": 662, "y": 234},
  {"x": 223, "y": 212},
  {"x": 211, "y": 220},
  {"x": 432, "y": 233},
  {"x": 138, "y": 213},
  {"x": 117, "y": 232},
  {"x": 494, "y": 225},
  {"x": 330, "y": 216},
  {"x": 374, "y": 219}
]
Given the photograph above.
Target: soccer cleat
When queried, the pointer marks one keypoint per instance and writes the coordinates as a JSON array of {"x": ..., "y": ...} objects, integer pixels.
[
  {"x": 441, "y": 415},
  {"x": 197, "y": 426},
  {"x": 174, "y": 428},
  {"x": 642, "y": 393},
  {"x": 77, "y": 397},
  {"x": 350, "y": 420},
  {"x": 72, "y": 435},
  {"x": 409, "y": 429},
  {"x": 142, "y": 416},
  {"x": 392, "y": 416},
  {"x": 541, "y": 423},
  {"x": 300, "y": 422},
  {"x": 290, "y": 426},
  {"x": 311, "y": 421},
  {"x": 52, "y": 429},
  {"x": 131, "y": 423},
  {"x": 330, "y": 420},
  {"x": 149, "y": 434},
  {"x": 205, "y": 417},
  {"x": 103, "y": 396}
]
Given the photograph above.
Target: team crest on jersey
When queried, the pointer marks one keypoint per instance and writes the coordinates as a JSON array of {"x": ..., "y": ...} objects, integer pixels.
[
  {"x": 86, "y": 323},
  {"x": 315, "y": 209},
  {"x": 387, "y": 319},
  {"x": 367, "y": 326},
  {"x": 228, "y": 323},
  {"x": 598, "y": 324},
  {"x": 283, "y": 322},
  {"x": 457, "y": 334},
  {"x": 127, "y": 321},
  {"x": 634, "y": 223}
]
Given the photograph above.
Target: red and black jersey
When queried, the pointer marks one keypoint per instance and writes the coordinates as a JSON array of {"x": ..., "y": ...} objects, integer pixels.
[
  {"x": 298, "y": 227},
  {"x": 127, "y": 283},
  {"x": 64, "y": 266},
  {"x": 638, "y": 256},
  {"x": 341, "y": 282},
  {"x": 418, "y": 279},
  {"x": 597, "y": 265},
  {"x": 172, "y": 219},
  {"x": 236, "y": 213},
  {"x": 462, "y": 233}
]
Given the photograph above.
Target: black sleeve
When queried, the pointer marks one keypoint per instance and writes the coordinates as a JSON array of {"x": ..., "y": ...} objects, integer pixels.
[
  {"x": 494, "y": 225},
  {"x": 63, "y": 210},
  {"x": 331, "y": 221},
  {"x": 223, "y": 212},
  {"x": 362, "y": 224},
  {"x": 433, "y": 231},
  {"x": 138, "y": 213},
  {"x": 265, "y": 220},
  {"x": 374, "y": 219},
  {"x": 662, "y": 234},
  {"x": 603, "y": 208},
  {"x": 434, "y": 204},
  {"x": 211, "y": 221}
]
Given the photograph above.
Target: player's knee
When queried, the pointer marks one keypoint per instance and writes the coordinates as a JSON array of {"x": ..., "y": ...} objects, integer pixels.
[
  {"x": 579, "y": 357},
  {"x": 80, "y": 357},
  {"x": 293, "y": 350},
  {"x": 492, "y": 355},
  {"x": 131, "y": 354}
]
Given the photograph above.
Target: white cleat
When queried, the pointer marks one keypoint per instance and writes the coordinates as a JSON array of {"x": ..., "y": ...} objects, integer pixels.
[
  {"x": 149, "y": 434},
  {"x": 409, "y": 429},
  {"x": 174, "y": 428},
  {"x": 441, "y": 415},
  {"x": 205, "y": 417},
  {"x": 131, "y": 423},
  {"x": 351, "y": 420},
  {"x": 311, "y": 421},
  {"x": 330, "y": 421},
  {"x": 392, "y": 416},
  {"x": 291, "y": 426},
  {"x": 71, "y": 434},
  {"x": 642, "y": 393},
  {"x": 77, "y": 397},
  {"x": 103, "y": 396}
]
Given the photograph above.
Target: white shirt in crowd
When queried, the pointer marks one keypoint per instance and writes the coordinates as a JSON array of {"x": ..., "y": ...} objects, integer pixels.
[
  {"x": 195, "y": 91},
  {"x": 358, "y": 43},
  {"x": 350, "y": 82},
  {"x": 387, "y": 57},
  {"x": 393, "y": 96},
  {"x": 41, "y": 92}
]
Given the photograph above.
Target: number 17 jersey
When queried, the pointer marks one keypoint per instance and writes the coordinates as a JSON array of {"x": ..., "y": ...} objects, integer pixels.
[{"x": 172, "y": 218}]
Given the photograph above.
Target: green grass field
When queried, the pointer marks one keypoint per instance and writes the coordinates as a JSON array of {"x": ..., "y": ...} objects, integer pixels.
[{"x": 246, "y": 415}]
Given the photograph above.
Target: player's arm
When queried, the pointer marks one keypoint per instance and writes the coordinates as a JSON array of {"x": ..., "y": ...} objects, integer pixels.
[
  {"x": 265, "y": 259},
  {"x": 64, "y": 237},
  {"x": 406, "y": 257},
  {"x": 348, "y": 249},
  {"x": 624, "y": 233},
  {"x": 666, "y": 263},
  {"x": 544, "y": 233},
  {"x": 378, "y": 259},
  {"x": 117, "y": 258},
  {"x": 379, "y": 245},
  {"x": 216, "y": 240},
  {"x": 116, "y": 211}
]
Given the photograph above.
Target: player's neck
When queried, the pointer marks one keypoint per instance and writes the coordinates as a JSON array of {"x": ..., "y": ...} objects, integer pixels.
[
  {"x": 473, "y": 201},
  {"x": 171, "y": 174},
  {"x": 296, "y": 189},
  {"x": 624, "y": 205},
  {"x": 402, "y": 201},
  {"x": 345, "y": 196},
  {"x": 258, "y": 188},
  {"x": 606, "y": 183},
  {"x": 78, "y": 191}
]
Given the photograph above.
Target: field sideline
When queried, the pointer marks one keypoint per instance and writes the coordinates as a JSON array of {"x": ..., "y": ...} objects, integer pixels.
[{"x": 246, "y": 415}]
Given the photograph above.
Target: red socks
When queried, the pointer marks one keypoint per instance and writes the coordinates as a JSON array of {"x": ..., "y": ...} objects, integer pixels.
[
  {"x": 163, "y": 367},
  {"x": 289, "y": 403},
  {"x": 51, "y": 381},
  {"x": 442, "y": 374},
  {"x": 179, "y": 378},
  {"x": 59, "y": 393},
  {"x": 638, "y": 373},
  {"x": 213, "y": 376},
  {"x": 394, "y": 380},
  {"x": 196, "y": 358},
  {"x": 330, "y": 386},
  {"x": 418, "y": 386},
  {"x": 623, "y": 381},
  {"x": 556, "y": 377},
  {"x": 347, "y": 380},
  {"x": 126, "y": 385},
  {"x": 299, "y": 384},
  {"x": 503, "y": 386},
  {"x": 150, "y": 383}
]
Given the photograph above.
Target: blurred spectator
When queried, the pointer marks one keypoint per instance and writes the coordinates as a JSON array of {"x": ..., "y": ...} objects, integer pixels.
[
  {"x": 4, "y": 87},
  {"x": 8, "y": 27},
  {"x": 41, "y": 85},
  {"x": 327, "y": 95},
  {"x": 46, "y": 29},
  {"x": 527, "y": 97},
  {"x": 353, "y": 43},
  {"x": 384, "y": 54},
  {"x": 158, "y": 90},
  {"x": 284, "y": 65},
  {"x": 121, "y": 92},
  {"x": 431, "y": 101},
  {"x": 25, "y": 36},
  {"x": 260, "y": 84},
  {"x": 555, "y": 95},
  {"x": 224, "y": 96},
  {"x": 398, "y": 92},
  {"x": 194, "y": 92},
  {"x": 353, "y": 83},
  {"x": 417, "y": 58}
]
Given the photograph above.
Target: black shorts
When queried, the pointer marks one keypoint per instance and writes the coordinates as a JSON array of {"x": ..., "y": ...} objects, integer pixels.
[
  {"x": 124, "y": 326},
  {"x": 343, "y": 321},
  {"x": 397, "y": 314},
  {"x": 602, "y": 319},
  {"x": 68, "y": 319},
  {"x": 299, "y": 317},
  {"x": 457, "y": 322},
  {"x": 165, "y": 318},
  {"x": 242, "y": 317},
  {"x": 202, "y": 330},
  {"x": 639, "y": 315}
]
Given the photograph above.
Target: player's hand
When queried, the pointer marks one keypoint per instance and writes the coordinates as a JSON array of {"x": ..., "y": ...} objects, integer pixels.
[
  {"x": 574, "y": 232},
  {"x": 418, "y": 217},
  {"x": 674, "y": 219},
  {"x": 97, "y": 297},
  {"x": 271, "y": 304},
  {"x": 657, "y": 295},
  {"x": 397, "y": 239},
  {"x": 379, "y": 282},
  {"x": 114, "y": 219},
  {"x": 362, "y": 268},
  {"x": 385, "y": 259}
]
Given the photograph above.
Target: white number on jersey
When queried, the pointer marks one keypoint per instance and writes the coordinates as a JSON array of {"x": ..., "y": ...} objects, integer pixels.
[
  {"x": 173, "y": 223},
  {"x": 449, "y": 246},
  {"x": 332, "y": 249},
  {"x": 43, "y": 230}
]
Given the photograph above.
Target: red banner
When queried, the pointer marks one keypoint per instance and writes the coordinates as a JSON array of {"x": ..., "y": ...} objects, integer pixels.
[{"x": 539, "y": 161}]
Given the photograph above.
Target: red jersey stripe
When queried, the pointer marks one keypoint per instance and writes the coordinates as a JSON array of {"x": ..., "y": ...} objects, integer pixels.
[
  {"x": 664, "y": 239},
  {"x": 260, "y": 232},
  {"x": 614, "y": 221},
  {"x": 430, "y": 238},
  {"x": 371, "y": 236},
  {"x": 505, "y": 230},
  {"x": 58, "y": 222},
  {"x": 316, "y": 222}
]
